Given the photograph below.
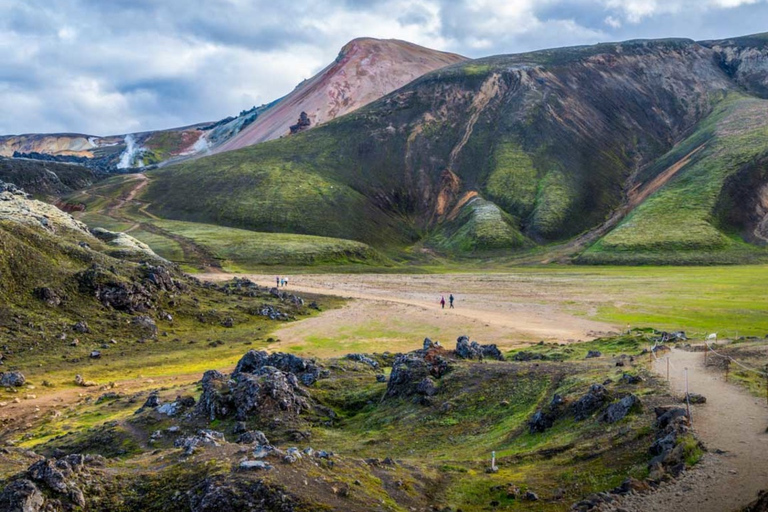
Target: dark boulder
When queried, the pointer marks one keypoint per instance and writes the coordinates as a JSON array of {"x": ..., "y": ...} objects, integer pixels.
[
  {"x": 12, "y": 379},
  {"x": 362, "y": 358},
  {"x": 594, "y": 353},
  {"x": 619, "y": 409},
  {"x": 49, "y": 296},
  {"x": 305, "y": 369},
  {"x": 630, "y": 379},
  {"x": 587, "y": 405},
  {"x": 410, "y": 370},
  {"x": 268, "y": 392},
  {"x": 473, "y": 350},
  {"x": 544, "y": 419},
  {"x": 427, "y": 387},
  {"x": 253, "y": 437},
  {"x": 214, "y": 401},
  {"x": 22, "y": 496},
  {"x": 81, "y": 327},
  {"x": 696, "y": 398}
]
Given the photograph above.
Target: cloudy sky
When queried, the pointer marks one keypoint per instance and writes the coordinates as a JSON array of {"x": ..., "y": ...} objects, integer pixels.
[{"x": 115, "y": 66}]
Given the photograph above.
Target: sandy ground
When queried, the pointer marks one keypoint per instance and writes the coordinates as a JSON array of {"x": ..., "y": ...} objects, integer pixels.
[
  {"x": 505, "y": 309},
  {"x": 731, "y": 421}
]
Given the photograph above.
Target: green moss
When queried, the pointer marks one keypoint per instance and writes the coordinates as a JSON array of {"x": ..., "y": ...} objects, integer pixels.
[
  {"x": 554, "y": 201},
  {"x": 513, "y": 181}
]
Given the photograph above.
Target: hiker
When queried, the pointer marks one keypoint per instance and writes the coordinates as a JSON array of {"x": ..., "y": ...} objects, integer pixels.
[
  {"x": 277, "y": 281},
  {"x": 450, "y": 299},
  {"x": 442, "y": 302},
  {"x": 285, "y": 281}
]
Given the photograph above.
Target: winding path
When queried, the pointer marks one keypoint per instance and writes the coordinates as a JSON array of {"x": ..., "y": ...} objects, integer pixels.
[{"x": 732, "y": 424}]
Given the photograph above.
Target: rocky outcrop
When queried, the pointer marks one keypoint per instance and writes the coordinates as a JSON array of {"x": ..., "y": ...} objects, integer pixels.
[
  {"x": 544, "y": 419},
  {"x": 52, "y": 485},
  {"x": 619, "y": 409},
  {"x": 259, "y": 390},
  {"x": 590, "y": 403},
  {"x": 668, "y": 450},
  {"x": 416, "y": 373},
  {"x": 218, "y": 493},
  {"x": 12, "y": 379},
  {"x": 362, "y": 358},
  {"x": 113, "y": 291},
  {"x": 302, "y": 124},
  {"x": 214, "y": 401},
  {"x": 268, "y": 392},
  {"x": 473, "y": 350},
  {"x": 306, "y": 370}
]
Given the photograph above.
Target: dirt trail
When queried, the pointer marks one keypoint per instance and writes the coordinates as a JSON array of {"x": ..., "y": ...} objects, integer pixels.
[
  {"x": 142, "y": 181},
  {"x": 516, "y": 318},
  {"x": 732, "y": 421}
]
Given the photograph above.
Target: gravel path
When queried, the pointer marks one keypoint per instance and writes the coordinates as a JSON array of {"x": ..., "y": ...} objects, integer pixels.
[{"x": 732, "y": 421}]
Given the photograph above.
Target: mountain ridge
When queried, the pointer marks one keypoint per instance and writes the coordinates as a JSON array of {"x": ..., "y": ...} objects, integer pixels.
[
  {"x": 553, "y": 138},
  {"x": 360, "y": 58}
]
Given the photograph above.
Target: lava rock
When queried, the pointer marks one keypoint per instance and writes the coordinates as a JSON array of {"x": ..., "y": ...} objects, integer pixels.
[
  {"x": 49, "y": 296},
  {"x": 618, "y": 410},
  {"x": 594, "y": 353},
  {"x": 363, "y": 359},
  {"x": 145, "y": 326},
  {"x": 253, "y": 437},
  {"x": 12, "y": 379},
  {"x": 22, "y": 496},
  {"x": 630, "y": 379},
  {"x": 473, "y": 350},
  {"x": 305, "y": 369},
  {"x": 81, "y": 327},
  {"x": 584, "y": 407}
]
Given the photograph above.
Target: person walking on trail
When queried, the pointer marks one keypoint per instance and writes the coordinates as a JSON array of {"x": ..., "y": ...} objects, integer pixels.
[
  {"x": 285, "y": 281},
  {"x": 277, "y": 281},
  {"x": 442, "y": 302},
  {"x": 450, "y": 300}
]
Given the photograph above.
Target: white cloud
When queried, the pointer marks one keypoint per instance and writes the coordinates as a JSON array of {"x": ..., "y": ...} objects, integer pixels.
[{"x": 130, "y": 65}]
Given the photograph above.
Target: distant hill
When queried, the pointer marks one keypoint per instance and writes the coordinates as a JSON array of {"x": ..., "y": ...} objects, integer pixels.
[
  {"x": 365, "y": 70},
  {"x": 659, "y": 143}
]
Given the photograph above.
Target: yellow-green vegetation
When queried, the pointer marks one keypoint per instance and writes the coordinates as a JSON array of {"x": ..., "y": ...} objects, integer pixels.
[
  {"x": 480, "y": 226},
  {"x": 679, "y": 223},
  {"x": 554, "y": 201},
  {"x": 239, "y": 248},
  {"x": 512, "y": 183}
]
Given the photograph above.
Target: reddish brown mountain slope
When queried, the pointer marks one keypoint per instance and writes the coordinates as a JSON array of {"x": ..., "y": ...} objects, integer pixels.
[{"x": 365, "y": 70}]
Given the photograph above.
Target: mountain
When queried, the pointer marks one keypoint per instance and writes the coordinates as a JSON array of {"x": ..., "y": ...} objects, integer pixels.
[
  {"x": 365, "y": 70},
  {"x": 657, "y": 142}
]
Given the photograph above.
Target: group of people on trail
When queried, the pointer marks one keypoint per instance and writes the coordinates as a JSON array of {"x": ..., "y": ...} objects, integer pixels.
[
  {"x": 281, "y": 281},
  {"x": 450, "y": 301}
]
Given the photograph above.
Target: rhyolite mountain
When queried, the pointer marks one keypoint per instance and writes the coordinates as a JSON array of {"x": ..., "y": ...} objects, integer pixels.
[
  {"x": 365, "y": 70},
  {"x": 658, "y": 143}
]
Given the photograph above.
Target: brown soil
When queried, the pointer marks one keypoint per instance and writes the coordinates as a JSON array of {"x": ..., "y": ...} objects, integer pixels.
[{"x": 507, "y": 312}]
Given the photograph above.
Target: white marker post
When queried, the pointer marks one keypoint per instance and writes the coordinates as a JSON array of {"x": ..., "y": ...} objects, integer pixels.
[{"x": 687, "y": 399}]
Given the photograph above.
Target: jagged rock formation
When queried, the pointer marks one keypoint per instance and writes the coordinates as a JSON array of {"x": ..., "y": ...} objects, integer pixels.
[
  {"x": 303, "y": 124},
  {"x": 261, "y": 387},
  {"x": 52, "y": 485}
]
